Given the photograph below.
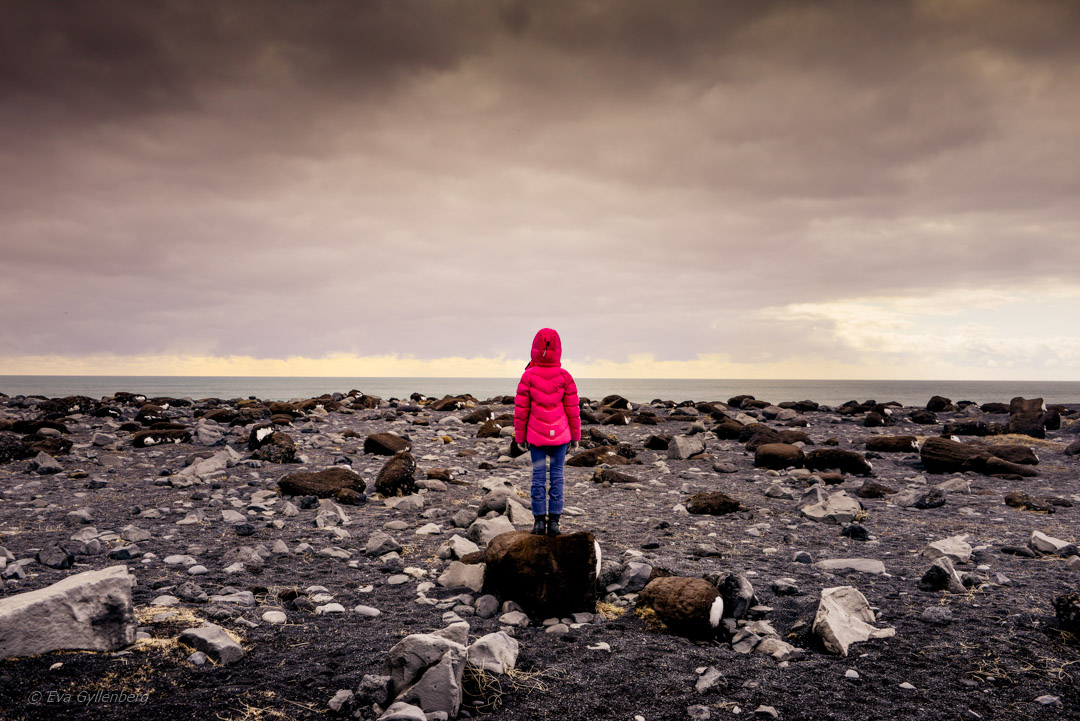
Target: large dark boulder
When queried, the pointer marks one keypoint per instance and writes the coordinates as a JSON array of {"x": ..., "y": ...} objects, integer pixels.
[
  {"x": 690, "y": 607},
  {"x": 611, "y": 476},
  {"x": 657, "y": 443},
  {"x": 68, "y": 406},
  {"x": 845, "y": 461},
  {"x": 397, "y": 477},
  {"x": 448, "y": 403},
  {"x": 892, "y": 444},
  {"x": 480, "y": 415},
  {"x": 758, "y": 434},
  {"x": 1014, "y": 453},
  {"x": 278, "y": 448},
  {"x": 943, "y": 455},
  {"x": 939, "y": 404},
  {"x": 1026, "y": 417},
  {"x": 12, "y": 448},
  {"x": 778, "y": 456},
  {"x": 547, "y": 576},
  {"x": 924, "y": 418},
  {"x": 1073, "y": 449},
  {"x": 712, "y": 503},
  {"x": 596, "y": 456},
  {"x": 728, "y": 429},
  {"x": 386, "y": 444},
  {"x": 490, "y": 429},
  {"x": 336, "y": 482}
]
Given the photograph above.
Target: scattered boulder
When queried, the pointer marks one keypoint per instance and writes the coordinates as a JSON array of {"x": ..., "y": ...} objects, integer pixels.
[
  {"x": 682, "y": 447},
  {"x": 1026, "y": 417},
  {"x": 955, "y": 548},
  {"x": 425, "y": 671},
  {"x": 942, "y": 576},
  {"x": 596, "y": 456},
  {"x": 872, "y": 489},
  {"x": 215, "y": 642},
  {"x": 690, "y": 607},
  {"x": 892, "y": 444},
  {"x": 939, "y": 404},
  {"x": 845, "y": 461},
  {"x": 713, "y": 503},
  {"x": 278, "y": 447},
  {"x": 90, "y": 610},
  {"x": 386, "y": 444},
  {"x": 838, "y": 508},
  {"x": 495, "y": 653},
  {"x": 327, "y": 483},
  {"x": 843, "y": 618},
  {"x": 397, "y": 477},
  {"x": 778, "y": 456},
  {"x": 545, "y": 575}
]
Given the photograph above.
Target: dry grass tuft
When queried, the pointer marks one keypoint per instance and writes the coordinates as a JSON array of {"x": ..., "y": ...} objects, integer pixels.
[
  {"x": 652, "y": 621},
  {"x": 1018, "y": 439},
  {"x": 184, "y": 616},
  {"x": 609, "y": 610}
]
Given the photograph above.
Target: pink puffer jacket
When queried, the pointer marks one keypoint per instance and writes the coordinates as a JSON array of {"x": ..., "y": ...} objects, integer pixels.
[{"x": 546, "y": 411}]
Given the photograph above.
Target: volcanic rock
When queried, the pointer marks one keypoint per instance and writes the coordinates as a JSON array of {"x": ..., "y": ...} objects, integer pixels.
[
  {"x": 546, "y": 576},
  {"x": 689, "y": 607},
  {"x": 398, "y": 476}
]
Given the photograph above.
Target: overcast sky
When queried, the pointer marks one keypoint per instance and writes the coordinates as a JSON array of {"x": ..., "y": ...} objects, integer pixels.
[{"x": 695, "y": 189}]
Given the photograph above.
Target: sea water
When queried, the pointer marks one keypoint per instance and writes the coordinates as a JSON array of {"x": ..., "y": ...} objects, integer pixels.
[{"x": 638, "y": 390}]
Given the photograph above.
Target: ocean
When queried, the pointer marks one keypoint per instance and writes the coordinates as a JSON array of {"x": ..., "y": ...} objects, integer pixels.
[{"x": 638, "y": 390}]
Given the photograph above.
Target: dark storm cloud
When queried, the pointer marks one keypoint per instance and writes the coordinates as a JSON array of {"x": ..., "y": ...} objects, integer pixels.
[{"x": 275, "y": 178}]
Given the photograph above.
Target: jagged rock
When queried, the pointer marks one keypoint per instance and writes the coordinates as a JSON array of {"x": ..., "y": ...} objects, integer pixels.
[
  {"x": 495, "y": 653},
  {"x": 90, "y": 610},
  {"x": 327, "y": 483},
  {"x": 386, "y": 444},
  {"x": 460, "y": 575},
  {"x": 425, "y": 669},
  {"x": 942, "y": 576},
  {"x": 690, "y": 607},
  {"x": 397, "y": 477},
  {"x": 956, "y": 548},
  {"x": 713, "y": 503},
  {"x": 546, "y": 576},
  {"x": 892, "y": 444},
  {"x": 1046, "y": 544},
  {"x": 861, "y": 565},
  {"x": 215, "y": 642},
  {"x": 871, "y": 489},
  {"x": 843, "y": 618},
  {"x": 845, "y": 461},
  {"x": 737, "y": 592},
  {"x": 483, "y": 530},
  {"x": 682, "y": 447},
  {"x": 778, "y": 456},
  {"x": 838, "y": 508}
]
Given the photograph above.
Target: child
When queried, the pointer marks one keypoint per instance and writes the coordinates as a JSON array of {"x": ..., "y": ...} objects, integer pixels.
[{"x": 546, "y": 419}]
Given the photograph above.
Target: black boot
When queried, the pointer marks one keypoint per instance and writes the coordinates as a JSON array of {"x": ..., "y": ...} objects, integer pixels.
[
  {"x": 553, "y": 524},
  {"x": 538, "y": 525}
]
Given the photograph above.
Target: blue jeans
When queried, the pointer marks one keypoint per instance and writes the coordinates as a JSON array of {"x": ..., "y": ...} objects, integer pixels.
[{"x": 540, "y": 503}]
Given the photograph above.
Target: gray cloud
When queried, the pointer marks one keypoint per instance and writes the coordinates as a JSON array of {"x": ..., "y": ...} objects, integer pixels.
[{"x": 442, "y": 178}]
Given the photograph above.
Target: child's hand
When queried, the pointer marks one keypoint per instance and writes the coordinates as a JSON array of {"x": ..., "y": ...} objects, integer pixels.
[{"x": 573, "y": 447}]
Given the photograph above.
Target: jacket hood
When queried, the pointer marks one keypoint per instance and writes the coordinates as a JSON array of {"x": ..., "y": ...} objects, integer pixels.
[{"x": 546, "y": 348}]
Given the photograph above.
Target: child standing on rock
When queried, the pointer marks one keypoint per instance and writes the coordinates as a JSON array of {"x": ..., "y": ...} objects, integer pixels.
[{"x": 547, "y": 419}]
